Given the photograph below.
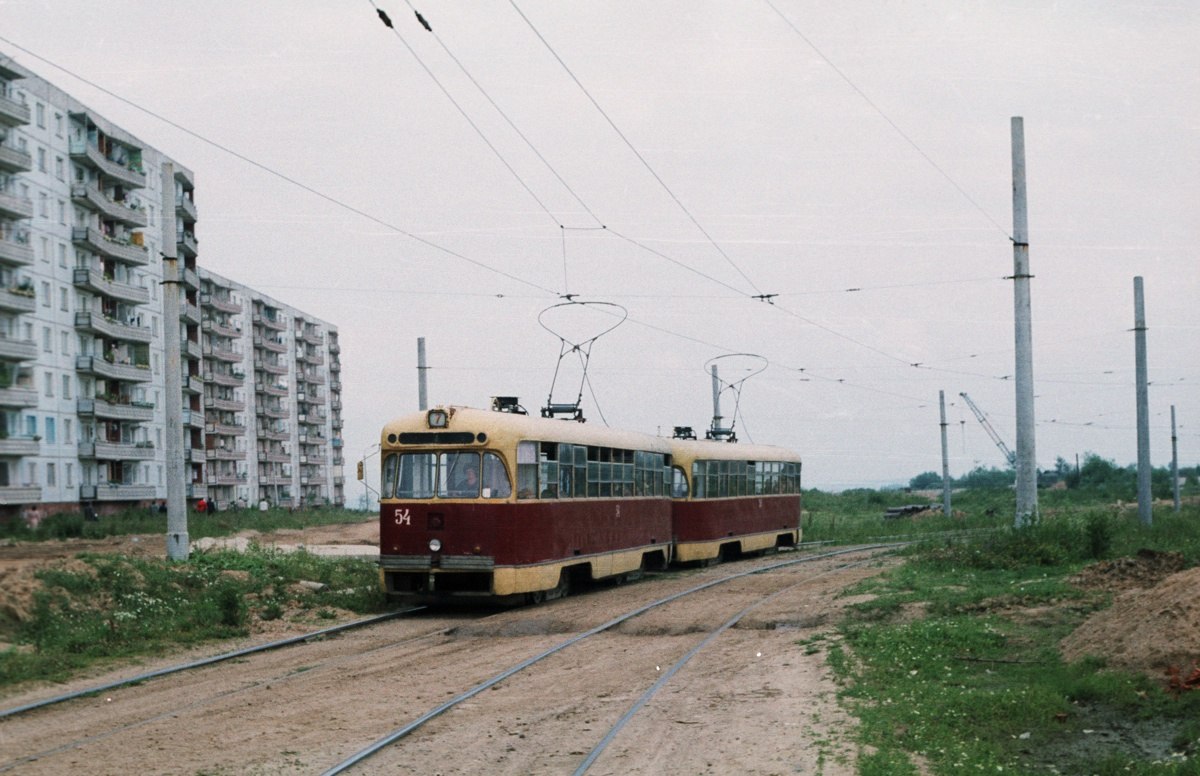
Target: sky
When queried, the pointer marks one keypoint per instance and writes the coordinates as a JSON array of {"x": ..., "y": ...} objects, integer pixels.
[{"x": 820, "y": 188}]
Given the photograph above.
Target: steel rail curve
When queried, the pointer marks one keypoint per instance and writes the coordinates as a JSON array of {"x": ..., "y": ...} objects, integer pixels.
[
  {"x": 365, "y": 622},
  {"x": 437, "y": 711}
]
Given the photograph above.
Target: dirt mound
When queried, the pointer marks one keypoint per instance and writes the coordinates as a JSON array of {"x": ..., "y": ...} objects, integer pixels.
[
  {"x": 1146, "y": 569},
  {"x": 1149, "y": 628}
]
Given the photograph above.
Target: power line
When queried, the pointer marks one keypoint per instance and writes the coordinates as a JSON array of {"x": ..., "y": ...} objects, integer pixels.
[
  {"x": 631, "y": 147},
  {"x": 886, "y": 118},
  {"x": 286, "y": 178}
]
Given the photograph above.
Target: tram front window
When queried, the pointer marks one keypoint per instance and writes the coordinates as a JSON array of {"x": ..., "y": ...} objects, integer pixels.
[
  {"x": 415, "y": 476},
  {"x": 460, "y": 475}
]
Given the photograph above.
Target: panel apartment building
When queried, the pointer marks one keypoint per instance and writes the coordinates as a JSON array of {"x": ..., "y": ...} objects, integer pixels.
[{"x": 86, "y": 212}]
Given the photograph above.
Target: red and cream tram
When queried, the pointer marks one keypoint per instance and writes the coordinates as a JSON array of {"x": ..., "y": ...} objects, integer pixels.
[
  {"x": 500, "y": 504},
  {"x": 732, "y": 499}
]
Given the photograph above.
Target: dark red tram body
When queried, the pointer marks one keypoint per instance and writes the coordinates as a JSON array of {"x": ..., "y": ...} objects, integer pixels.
[{"x": 497, "y": 504}]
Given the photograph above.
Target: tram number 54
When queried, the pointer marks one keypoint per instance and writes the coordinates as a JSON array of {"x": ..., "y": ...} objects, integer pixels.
[{"x": 403, "y": 517}]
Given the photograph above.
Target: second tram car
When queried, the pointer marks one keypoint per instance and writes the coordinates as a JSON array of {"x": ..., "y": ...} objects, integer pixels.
[
  {"x": 732, "y": 499},
  {"x": 499, "y": 504}
]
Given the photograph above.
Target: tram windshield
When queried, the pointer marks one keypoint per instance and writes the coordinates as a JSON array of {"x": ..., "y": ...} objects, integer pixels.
[{"x": 444, "y": 475}]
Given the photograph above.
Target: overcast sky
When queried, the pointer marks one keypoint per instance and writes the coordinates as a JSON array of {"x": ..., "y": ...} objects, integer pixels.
[{"x": 728, "y": 150}]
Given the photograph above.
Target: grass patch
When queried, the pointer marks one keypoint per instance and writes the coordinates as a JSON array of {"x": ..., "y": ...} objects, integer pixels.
[
  {"x": 975, "y": 683},
  {"x": 118, "y": 607}
]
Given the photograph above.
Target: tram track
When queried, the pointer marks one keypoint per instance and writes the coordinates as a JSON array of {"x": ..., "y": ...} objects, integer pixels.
[
  {"x": 459, "y": 700},
  {"x": 365, "y": 679}
]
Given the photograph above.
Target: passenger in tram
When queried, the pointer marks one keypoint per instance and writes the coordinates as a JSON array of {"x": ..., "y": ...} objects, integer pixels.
[{"x": 468, "y": 485}]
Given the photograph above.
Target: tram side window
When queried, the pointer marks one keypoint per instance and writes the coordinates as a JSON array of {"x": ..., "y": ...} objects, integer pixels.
[
  {"x": 679, "y": 485},
  {"x": 460, "y": 475},
  {"x": 495, "y": 478},
  {"x": 548, "y": 469},
  {"x": 388, "y": 487},
  {"x": 416, "y": 475},
  {"x": 527, "y": 470}
]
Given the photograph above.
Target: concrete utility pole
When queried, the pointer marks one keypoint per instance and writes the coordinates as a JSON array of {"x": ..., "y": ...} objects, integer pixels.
[
  {"x": 945, "y": 458},
  {"x": 1174, "y": 460},
  {"x": 1145, "y": 512},
  {"x": 1027, "y": 499},
  {"x": 422, "y": 383},
  {"x": 177, "y": 520}
]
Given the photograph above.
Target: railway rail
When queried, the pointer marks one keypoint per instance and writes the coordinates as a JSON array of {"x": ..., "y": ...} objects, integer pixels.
[{"x": 402, "y": 732}]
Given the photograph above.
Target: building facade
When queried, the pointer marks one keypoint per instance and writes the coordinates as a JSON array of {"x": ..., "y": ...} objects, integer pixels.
[{"x": 86, "y": 213}]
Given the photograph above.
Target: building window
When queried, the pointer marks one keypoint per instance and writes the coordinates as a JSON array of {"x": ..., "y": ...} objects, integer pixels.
[
  {"x": 70, "y": 475},
  {"x": 62, "y": 212},
  {"x": 47, "y": 345},
  {"x": 31, "y": 425},
  {"x": 31, "y": 468},
  {"x": 51, "y": 433},
  {"x": 51, "y": 474},
  {"x": 66, "y": 344},
  {"x": 59, "y": 169},
  {"x": 41, "y": 115},
  {"x": 66, "y": 387},
  {"x": 41, "y": 159},
  {"x": 45, "y": 294},
  {"x": 43, "y": 205},
  {"x": 48, "y": 385},
  {"x": 68, "y": 439},
  {"x": 62, "y": 255},
  {"x": 63, "y": 304},
  {"x": 58, "y": 124}
]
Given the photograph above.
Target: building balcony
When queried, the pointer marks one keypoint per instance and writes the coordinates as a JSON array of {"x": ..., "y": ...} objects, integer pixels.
[
  {"x": 215, "y": 326},
  {"x": 315, "y": 358},
  {"x": 95, "y": 281},
  {"x": 19, "y": 446},
  {"x": 230, "y": 379},
  {"x": 197, "y": 490},
  {"x": 20, "y": 494},
  {"x": 314, "y": 337},
  {"x": 270, "y": 343},
  {"x": 81, "y": 151},
  {"x": 195, "y": 455},
  {"x": 14, "y": 160},
  {"x": 190, "y": 313},
  {"x": 273, "y": 457},
  {"x": 95, "y": 241},
  {"x": 185, "y": 208},
  {"x": 222, "y": 303},
  {"x": 313, "y": 377},
  {"x": 337, "y": 424},
  {"x": 190, "y": 279},
  {"x": 274, "y": 412},
  {"x": 95, "y": 199},
  {"x": 12, "y": 206},
  {"x": 334, "y": 347},
  {"x": 94, "y": 365},
  {"x": 231, "y": 405},
  {"x": 187, "y": 245},
  {"x": 16, "y": 251},
  {"x": 13, "y": 113},
  {"x": 224, "y": 429},
  {"x": 277, "y": 479},
  {"x": 193, "y": 418},
  {"x": 273, "y": 368},
  {"x": 117, "y": 451},
  {"x": 100, "y": 408},
  {"x": 268, "y": 321},
  {"x": 17, "y": 350},
  {"x": 271, "y": 389},
  {"x": 277, "y": 436},
  {"x": 191, "y": 350},
  {"x": 115, "y": 491},
  {"x": 98, "y": 324},
  {"x": 17, "y": 300},
  {"x": 222, "y": 354},
  {"x": 224, "y": 454},
  {"x": 19, "y": 397},
  {"x": 335, "y": 367},
  {"x": 226, "y": 479},
  {"x": 193, "y": 384}
]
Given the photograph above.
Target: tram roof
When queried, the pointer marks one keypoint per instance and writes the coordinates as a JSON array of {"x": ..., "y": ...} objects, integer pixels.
[
  {"x": 709, "y": 450},
  {"x": 508, "y": 427}
]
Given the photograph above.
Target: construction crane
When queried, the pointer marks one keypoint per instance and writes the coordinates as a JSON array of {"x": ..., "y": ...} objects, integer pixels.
[{"x": 1009, "y": 455}]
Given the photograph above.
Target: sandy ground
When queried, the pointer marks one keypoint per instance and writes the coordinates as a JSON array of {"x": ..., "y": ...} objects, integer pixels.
[{"x": 759, "y": 699}]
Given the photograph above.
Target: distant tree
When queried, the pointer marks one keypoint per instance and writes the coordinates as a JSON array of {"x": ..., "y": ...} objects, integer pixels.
[
  {"x": 979, "y": 477},
  {"x": 926, "y": 481}
]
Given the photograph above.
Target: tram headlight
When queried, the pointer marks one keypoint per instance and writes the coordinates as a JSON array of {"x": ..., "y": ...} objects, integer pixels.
[{"x": 435, "y": 545}]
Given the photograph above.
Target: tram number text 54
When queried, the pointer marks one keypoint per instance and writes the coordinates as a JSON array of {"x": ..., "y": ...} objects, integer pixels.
[{"x": 403, "y": 517}]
